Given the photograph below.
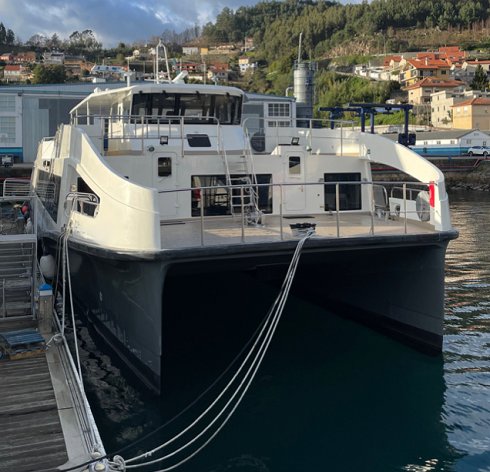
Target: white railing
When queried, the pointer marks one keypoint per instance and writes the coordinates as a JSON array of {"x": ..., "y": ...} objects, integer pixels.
[
  {"x": 265, "y": 134},
  {"x": 84, "y": 203},
  {"x": 119, "y": 132},
  {"x": 380, "y": 205},
  {"x": 16, "y": 187}
]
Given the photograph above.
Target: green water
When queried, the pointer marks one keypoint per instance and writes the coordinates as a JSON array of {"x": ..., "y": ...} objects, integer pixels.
[{"x": 331, "y": 395}]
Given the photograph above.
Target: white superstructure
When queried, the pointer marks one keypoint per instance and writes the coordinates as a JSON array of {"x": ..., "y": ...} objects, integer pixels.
[{"x": 167, "y": 173}]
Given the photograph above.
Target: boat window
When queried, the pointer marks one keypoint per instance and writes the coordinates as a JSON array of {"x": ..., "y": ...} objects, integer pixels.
[
  {"x": 87, "y": 206},
  {"x": 278, "y": 109},
  {"x": 198, "y": 140},
  {"x": 294, "y": 165},
  {"x": 349, "y": 194},
  {"x": 164, "y": 166},
  {"x": 194, "y": 106},
  {"x": 216, "y": 201}
]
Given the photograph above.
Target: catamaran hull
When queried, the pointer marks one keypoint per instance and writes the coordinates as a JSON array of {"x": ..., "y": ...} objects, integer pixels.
[{"x": 395, "y": 284}]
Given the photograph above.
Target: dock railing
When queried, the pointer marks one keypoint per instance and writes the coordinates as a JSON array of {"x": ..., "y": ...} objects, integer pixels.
[{"x": 16, "y": 187}]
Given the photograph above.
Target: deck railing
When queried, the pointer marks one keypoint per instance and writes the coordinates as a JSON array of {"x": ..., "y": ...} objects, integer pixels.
[
  {"x": 265, "y": 134},
  {"x": 382, "y": 204},
  {"x": 132, "y": 133}
]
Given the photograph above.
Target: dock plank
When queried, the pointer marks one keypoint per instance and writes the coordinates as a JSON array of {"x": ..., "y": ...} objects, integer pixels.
[{"x": 32, "y": 437}]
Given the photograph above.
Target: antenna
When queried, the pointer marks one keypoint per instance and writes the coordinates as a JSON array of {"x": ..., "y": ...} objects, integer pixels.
[{"x": 299, "y": 48}]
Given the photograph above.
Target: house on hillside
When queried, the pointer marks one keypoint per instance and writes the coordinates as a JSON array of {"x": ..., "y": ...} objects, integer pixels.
[
  {"x": 15, "y": 73},
  {"x": 190, "y": 49},
  {"x": 7, "y": 57},
  {"x": 419, "y": 93},
  {"x": 245, "y": 63},
  {"x": 414, "y": 70},
  {"x": 218, "y": 72},
  {"x": 473, "y": 113},
  {"x": 54, "y": 58},
  {"x": 466, "y": 71},
  {"x": 248, "y": 44},
  {"x": 75, "y": 65},
  {"x": 442, "y": 104},
  {"x": 26, "y": 57}
]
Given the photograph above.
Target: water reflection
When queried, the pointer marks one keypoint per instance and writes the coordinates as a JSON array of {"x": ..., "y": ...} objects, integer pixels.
[
  {"x": 331, "y": 395},
  {"x": 467, "y": 338}
]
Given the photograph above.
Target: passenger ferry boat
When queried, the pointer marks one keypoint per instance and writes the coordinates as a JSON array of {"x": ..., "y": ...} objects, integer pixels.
[{"x": 152, "y": 181}]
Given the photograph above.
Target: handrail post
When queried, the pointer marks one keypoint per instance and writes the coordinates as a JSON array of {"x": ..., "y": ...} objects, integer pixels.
[
  {"x": 142, "y": 137},
  {"x": 341, "y": 139},
  {"x": 202, "y": 216},
  {"x": 337, "y": 205},
  {"x": 373, "y": 208},
  {"x": 405, "y": 206},
  {"x": 243, "y": 213},
  {"x": 280, "y": 214}
]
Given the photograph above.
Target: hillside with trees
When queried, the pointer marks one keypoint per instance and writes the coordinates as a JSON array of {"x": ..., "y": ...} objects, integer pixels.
[{"x": 332, "y": 32}]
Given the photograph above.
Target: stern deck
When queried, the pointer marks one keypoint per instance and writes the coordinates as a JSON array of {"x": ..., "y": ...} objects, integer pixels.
[{"x": 215, "y": 231}]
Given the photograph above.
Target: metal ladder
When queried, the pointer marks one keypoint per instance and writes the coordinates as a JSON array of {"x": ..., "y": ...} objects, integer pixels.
[
  {"x": 242, "y": 185},
  {"x": 17, "y": 261}
]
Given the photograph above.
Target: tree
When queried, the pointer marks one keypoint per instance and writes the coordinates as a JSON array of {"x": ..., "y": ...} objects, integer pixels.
[
  {"x": 49, "y": 74},
  {"x": 54, "y": 42},
  {"x": 480, "y": 81},
  {"x": 83, "y": 42},
  {"x": 37, "y": 41},
  {"x": 3, "y": 34},
  {"x": 9, "y": 37}
]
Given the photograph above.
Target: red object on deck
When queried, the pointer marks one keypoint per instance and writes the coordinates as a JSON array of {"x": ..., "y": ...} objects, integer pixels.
[{"x": 432, "y": 194}]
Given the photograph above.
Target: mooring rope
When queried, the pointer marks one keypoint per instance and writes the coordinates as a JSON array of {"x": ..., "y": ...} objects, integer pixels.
[{"x": 269, "y": 328}]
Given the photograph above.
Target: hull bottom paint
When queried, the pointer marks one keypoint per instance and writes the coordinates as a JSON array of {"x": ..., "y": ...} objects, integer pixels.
[{"x": 150, "y": 309}]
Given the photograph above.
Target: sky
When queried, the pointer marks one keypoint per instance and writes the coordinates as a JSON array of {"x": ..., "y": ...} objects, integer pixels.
[{"x": 112, "y": 21}]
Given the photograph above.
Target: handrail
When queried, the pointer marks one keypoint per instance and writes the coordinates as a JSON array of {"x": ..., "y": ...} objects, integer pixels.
[
  {"x": 374, "y": 210},
  {"x": 259, "y": 127},
  {"x": 82, "y": 202},
  {"x": 13, "y": 187}
]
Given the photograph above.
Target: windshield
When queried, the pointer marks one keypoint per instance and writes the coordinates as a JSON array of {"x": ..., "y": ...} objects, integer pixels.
[{"x": 198, "y": 107}]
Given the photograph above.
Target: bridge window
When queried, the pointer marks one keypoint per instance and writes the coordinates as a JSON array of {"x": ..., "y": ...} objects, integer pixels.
[
  {"x": 278, "y": 109},
  {"x": 196, "y": 107}
]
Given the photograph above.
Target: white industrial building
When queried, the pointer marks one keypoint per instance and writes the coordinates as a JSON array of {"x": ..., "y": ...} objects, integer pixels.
[{"x": 29, "y": 113}]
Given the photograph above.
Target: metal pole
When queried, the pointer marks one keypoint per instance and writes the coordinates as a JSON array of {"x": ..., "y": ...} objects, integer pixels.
[
  {"x": 341, "y": 139},
  {"x": 202, "y": 215},
  {"x": 405, "y": 205},
  {"x": 373, "y": 207},
  {"x": 243, "y": 213},
  {"x": 280, "y": 215},
  {"x": 337, "y": 205}
]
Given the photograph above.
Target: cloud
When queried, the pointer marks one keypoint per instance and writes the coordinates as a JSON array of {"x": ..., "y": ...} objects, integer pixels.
[{"x": 112, "y": 21}]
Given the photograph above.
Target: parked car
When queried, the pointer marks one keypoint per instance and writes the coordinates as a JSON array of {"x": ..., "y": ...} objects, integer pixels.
[
  {"x": 479, "y": 151},
  {"x": 7, "y": 161}
]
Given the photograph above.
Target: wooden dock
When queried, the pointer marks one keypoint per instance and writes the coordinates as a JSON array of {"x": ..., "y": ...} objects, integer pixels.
[
  {"x": 31, "y": 435},
  {"x": 42, "y": 427},
  {"x": 45, "y": 419}
]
